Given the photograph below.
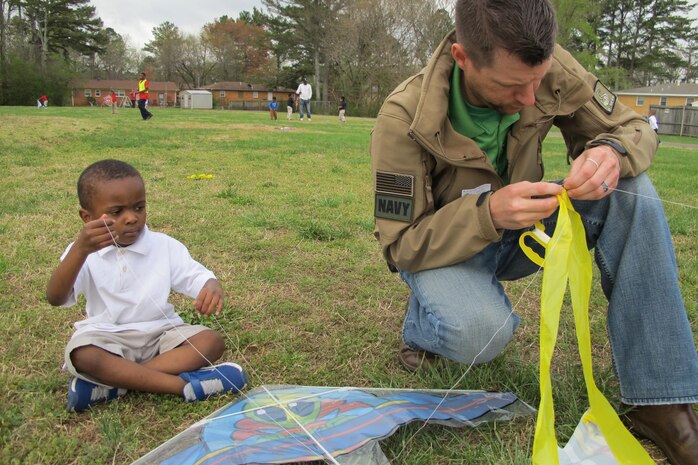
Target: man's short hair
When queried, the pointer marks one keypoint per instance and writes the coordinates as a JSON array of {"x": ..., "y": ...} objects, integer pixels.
[
  {"x": 101, "y": 171},
  {"x": 524, "y": 28}
]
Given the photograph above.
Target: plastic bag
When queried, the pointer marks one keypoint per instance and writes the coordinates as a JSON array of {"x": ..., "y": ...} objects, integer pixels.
[{"x": 567, "y": 260}]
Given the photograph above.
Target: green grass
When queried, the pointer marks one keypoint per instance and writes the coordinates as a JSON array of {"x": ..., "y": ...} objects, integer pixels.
[{"x": 286, "y": 224}]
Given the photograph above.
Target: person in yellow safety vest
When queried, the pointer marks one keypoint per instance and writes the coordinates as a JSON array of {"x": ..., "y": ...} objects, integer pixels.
[{"x": 143, "y": 97}]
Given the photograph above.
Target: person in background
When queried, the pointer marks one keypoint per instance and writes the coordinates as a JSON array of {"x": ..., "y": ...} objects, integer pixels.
[
  {"x": 42, "y": 102},
  {"x": 273, "y": 106},
  {"x": 143, "y": 97},
  {"x": 652, "y": 120},
  {"x": 305, "y": 93},
  {"x": 289, "y": 107},
  {"x": 458, "y": 172},
  {"x": 342, "y": 109},
  {"x": 114, "y": 100},
  {"x": 132, "y": 96}
]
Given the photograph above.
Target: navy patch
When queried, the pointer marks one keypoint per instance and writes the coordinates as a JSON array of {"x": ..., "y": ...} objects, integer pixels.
[
  {"x": 604, "y": 97},
  {"x": 393, "y": 207}
]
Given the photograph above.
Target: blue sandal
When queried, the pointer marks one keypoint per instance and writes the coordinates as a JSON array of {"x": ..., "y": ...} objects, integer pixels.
[
  {"x": 82, "y": 394},
  {"x": 216, "y": 379}
]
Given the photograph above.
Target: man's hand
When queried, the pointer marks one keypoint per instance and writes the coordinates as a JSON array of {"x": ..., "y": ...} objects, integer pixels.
[
  {"x": 594, "y": 174},
  {"x": 520, "y": 205},
  {"x": 95, "y": 235},
  {"x": 210, "y": 298}
]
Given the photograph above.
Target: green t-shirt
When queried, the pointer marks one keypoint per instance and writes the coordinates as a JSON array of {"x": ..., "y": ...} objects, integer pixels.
[{"x": 487, "y": 127}]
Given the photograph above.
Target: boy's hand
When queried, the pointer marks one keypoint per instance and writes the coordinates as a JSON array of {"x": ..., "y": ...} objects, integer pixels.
[
  {"x": 96, "y": 234},
  {"x": 210, "y": 298}
]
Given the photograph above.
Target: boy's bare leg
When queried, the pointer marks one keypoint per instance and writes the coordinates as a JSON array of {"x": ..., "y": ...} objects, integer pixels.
[
  {"x": 158, "y": 375},
  {"x": 185, "y": 358}
]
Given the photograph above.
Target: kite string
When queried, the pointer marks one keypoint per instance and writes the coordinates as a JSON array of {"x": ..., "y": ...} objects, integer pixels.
[
  {"x": 293, "y": 417},
  {"x": 120, "y": 256},
  {"x": 655, "y": 198},
  {"x": 470, "y": 366},
  {"x": 325, "y": 452}
]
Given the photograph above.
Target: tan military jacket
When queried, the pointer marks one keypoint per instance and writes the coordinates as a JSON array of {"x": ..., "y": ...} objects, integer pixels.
[{"x": 422, "y": 166}]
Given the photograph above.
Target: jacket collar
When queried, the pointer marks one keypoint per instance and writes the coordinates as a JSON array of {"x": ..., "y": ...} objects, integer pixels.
[{"x": 562, "y": 92}]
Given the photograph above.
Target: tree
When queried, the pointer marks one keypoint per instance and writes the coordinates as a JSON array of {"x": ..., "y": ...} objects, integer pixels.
[
  {"x": 6, "y": 9},
  {"x": 241, "y": 49},
  {"x": 284, "y": 49},
  {"x": 643, "y": 38},
  {"x": 166, "y": 49},
  {"x": 39, "y": 42},
  {"x": 312, "y": 22},
  {"x": 59, "y": 26},
  {"x": 576, "y": 33},
  {"x": 196, "y": 64},
  {"x": 117, "y": 60}
]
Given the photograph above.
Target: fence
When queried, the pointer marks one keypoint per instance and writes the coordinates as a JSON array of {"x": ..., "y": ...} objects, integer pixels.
[{"x": 680, "y": 121}]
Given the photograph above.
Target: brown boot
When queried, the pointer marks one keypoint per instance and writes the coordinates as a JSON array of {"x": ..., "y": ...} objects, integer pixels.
[
  {"x": 673, "y": 428},
  {"x": 414, "y": 360}
]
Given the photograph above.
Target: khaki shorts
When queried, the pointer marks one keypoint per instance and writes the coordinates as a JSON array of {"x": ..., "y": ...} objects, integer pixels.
[{"x": 136, "y": 346}]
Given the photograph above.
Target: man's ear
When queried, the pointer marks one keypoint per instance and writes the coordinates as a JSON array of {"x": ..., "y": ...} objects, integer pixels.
[{"x": 460, "y": 55}]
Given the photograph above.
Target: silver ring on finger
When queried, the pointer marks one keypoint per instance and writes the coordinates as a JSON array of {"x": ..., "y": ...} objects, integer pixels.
[
  {"x": 594, "y": 162},
  {"x": 604, "y": 186}
]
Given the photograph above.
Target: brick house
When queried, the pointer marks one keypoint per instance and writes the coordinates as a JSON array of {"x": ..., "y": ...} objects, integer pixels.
[
  {"x": 236, "y": 94},
  {"x": 664, "y": 95},
  {"x": 94, "y": 90}
]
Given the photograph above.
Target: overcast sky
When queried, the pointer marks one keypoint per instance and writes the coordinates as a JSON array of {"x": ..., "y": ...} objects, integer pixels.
[{"x": 137, "y": 18}]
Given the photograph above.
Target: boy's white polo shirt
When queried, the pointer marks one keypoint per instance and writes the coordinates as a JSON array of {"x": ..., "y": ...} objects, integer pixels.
[{"x": 127, "y": 288}]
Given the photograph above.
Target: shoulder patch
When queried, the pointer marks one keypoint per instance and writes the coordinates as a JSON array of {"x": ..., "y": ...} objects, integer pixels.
[
  {"x": 392, "y": 207},
  {"x": 394, "y": 183},
  {"x": 604, "y": 98},
  {"x": 394, "y": 196}
]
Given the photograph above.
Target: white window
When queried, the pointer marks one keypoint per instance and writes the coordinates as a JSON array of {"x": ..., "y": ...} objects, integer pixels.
[
  {"x": 640, "y": 101},
  {"x": 98, "y": 92},
  {"x": 689, "y": 101},
  {"x": 88, "y": 92},
  {"x": 255, "y": 94},
  {"x": 221, "y": 93},
  {"x": 120, "y": 93},
  {"x": 270, "y": 95},
  {"x": 662, "y": 101}
]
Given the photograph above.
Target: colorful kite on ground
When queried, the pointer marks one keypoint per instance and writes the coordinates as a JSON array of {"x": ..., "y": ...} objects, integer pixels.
[{"x": 285, "y": 424}]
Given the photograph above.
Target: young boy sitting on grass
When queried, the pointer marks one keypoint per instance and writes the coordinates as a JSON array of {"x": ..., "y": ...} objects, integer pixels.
[{"x": 132, "y": 338}]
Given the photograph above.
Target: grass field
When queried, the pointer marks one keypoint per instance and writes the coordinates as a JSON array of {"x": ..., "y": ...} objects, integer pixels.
[{"x": 286, "y": 224}]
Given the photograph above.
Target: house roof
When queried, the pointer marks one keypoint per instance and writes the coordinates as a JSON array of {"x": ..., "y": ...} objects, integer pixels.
[
  {"x": 196, "y": 92},
  {"x": 244, "y": 86},
  {"x": 123, "y": 84},
  {"x": 686, "y": 89}
]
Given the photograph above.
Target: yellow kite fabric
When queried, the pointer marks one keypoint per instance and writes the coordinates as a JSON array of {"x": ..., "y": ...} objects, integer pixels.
[{"x": 568, "y": 260}]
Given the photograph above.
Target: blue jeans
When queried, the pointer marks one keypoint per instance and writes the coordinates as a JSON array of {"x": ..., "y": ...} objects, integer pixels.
[
  {"x": 144, "y": 111},
  {"x": 454, "y": 311},
  {"x": 305, "y": 106}
]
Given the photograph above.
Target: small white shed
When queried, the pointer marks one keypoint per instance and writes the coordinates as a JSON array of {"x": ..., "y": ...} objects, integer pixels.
[{"x": 191, "y": 99}]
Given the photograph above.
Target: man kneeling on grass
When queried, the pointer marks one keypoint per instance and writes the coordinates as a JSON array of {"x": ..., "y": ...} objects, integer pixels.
[{"x": 132, "y": 337}]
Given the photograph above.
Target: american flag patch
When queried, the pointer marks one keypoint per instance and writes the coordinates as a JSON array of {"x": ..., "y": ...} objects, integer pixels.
[{"x": 394, "y": 183}]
